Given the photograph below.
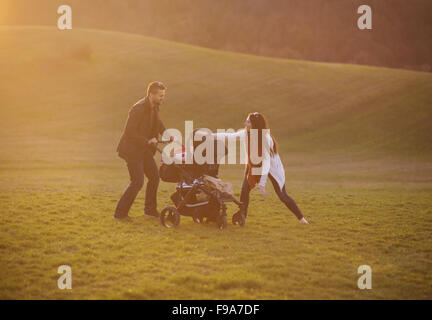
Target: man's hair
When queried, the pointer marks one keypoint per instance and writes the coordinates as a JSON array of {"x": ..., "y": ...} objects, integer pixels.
[{"x": 154, "y": 86}]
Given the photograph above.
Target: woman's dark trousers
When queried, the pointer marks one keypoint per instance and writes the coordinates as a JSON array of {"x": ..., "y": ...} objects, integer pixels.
[{"x": 282, "y": 194}]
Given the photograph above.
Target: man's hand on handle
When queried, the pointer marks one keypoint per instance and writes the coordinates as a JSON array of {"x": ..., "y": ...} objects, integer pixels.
[
  {"x": 164, "y": 141},
  {"x": 153, "y": 142}
]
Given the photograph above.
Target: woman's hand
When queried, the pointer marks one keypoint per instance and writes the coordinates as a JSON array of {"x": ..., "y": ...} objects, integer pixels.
[{"x": 262, "y": 190}]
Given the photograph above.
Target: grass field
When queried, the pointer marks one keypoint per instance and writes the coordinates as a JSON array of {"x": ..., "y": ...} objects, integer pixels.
[{"x": 355, "y": 142}]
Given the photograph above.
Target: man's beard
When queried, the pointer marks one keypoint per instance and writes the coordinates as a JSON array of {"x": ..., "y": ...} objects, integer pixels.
[{"x": 155, "y": 103}]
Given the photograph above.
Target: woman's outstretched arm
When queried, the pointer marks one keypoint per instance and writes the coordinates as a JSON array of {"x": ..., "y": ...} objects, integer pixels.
[{"x": 229, "y": 135}]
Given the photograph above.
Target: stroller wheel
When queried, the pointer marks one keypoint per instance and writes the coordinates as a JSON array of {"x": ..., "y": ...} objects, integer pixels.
[{"x": 170, "y": 217}]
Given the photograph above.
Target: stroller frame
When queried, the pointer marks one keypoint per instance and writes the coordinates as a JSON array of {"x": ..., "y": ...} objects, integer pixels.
[{"x": 170, "y": 215}]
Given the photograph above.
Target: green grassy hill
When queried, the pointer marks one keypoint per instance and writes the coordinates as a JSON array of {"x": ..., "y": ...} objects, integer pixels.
[
  {"x": 355, "y": 142},
  {"x": 82, "y": 82}
]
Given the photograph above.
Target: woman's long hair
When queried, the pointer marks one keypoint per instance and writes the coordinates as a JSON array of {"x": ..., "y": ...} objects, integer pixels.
[{"x": 259, "y": 122}]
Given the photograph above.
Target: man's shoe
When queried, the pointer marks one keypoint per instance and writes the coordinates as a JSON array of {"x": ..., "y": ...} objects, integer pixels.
[
  {"x": 120, "y": 216},
  {"x": 152, "y": 213}
]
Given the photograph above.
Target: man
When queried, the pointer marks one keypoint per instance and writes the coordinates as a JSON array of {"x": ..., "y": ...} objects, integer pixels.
[{"x": 137, "y": 147}]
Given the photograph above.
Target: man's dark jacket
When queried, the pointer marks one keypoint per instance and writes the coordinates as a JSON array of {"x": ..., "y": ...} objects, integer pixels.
[{"x": 142, "y": 125}]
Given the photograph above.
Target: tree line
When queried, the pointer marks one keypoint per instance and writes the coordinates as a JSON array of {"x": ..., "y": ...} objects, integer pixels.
[{"x": 317, "y": 30}]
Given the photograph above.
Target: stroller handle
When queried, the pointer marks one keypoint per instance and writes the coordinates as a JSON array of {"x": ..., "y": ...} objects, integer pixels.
[
  {"x": 166, "y": 142},
  {"x": 163, "y": 142}
]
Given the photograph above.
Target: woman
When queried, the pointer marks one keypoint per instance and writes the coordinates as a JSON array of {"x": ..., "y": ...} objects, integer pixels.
[{"x": 276, "y": 173}]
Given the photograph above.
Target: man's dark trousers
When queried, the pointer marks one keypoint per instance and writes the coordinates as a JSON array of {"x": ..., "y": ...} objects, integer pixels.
[
  {"x": 137, "y": 169},
  {"x": 143, "y": 124}
]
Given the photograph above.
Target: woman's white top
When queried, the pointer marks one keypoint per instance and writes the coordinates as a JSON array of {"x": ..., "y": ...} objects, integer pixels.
[{"x": 276, "y": 168}]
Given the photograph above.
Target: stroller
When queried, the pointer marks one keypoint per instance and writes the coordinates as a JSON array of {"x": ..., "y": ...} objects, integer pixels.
[{"x": 194, "y": 196}]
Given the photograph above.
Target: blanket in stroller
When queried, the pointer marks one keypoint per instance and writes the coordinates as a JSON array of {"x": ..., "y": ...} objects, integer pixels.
[{"x": 217, "y": 184}]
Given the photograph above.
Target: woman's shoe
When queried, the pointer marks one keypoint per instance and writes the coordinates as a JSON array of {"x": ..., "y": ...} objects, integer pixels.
[{"x": 303, "y": 220}]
